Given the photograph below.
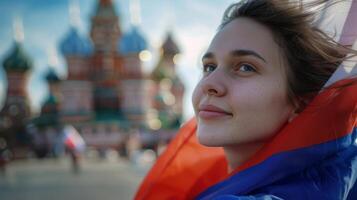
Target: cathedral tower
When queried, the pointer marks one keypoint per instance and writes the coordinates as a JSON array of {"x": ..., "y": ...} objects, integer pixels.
[
  {"x": 50, "y": 109},
  {"x": 77, "y": 98},
  {"x": 107, "y": 64},
  {"x": 168, "y": 91},
  {"x": 16, "y": 112}
]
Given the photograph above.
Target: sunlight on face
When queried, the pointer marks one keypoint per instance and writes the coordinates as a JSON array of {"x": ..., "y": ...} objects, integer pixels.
[{"x": 242, "y": 97}]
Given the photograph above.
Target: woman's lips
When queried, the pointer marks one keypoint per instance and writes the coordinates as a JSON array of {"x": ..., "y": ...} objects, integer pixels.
[{"x": 212, "y": 112}]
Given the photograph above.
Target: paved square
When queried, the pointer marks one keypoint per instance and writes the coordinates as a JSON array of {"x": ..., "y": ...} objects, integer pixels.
[{"x": 53, "y": 179}]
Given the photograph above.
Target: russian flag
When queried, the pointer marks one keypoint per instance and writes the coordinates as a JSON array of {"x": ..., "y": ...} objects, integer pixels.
[
  {"x": 72, "y": 139},
  {"x": 313, "y": 157}
]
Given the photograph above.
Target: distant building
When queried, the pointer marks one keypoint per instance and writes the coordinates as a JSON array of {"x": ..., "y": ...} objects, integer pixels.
[
  {"x": 106, "y": 95},
  {"x": 47, "y": 128},
  {"x": 49, "y": 115},
  {"x": 168, "y": 88},
  {"x": 16, "y": 112}
]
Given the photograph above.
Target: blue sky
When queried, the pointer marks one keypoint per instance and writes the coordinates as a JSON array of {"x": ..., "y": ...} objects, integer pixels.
[{"x": 46, "y": 22}]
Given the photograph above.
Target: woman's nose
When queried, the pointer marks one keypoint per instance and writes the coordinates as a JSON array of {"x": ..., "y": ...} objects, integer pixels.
[{"x": 214, "y": 84}]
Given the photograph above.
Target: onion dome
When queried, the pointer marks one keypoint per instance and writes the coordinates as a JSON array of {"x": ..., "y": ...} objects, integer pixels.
[
  {"x": 132, "y": 42},
  {"x": 51, "y": 76},
  {"x": 49, "y": 112},
  {"x": 169, "y": 47},
  {"x": 17, "y": 60},
  {"x": 75, "y": 44}
]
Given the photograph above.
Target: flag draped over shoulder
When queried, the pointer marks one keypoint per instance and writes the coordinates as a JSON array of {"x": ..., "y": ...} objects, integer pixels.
[
  {"x": 181, "y": 171},
  {"x": 313, "y": 157}
]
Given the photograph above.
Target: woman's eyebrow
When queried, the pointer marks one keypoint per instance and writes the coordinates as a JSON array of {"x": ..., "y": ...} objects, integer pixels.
[
  {"x": 238, "y": 52},
  {"x": 244, "y": 52},
  {"x": 208, "y": 55}
]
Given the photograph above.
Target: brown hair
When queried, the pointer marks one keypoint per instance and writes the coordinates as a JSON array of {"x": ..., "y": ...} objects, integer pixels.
[{"x": 312, "y": 56}]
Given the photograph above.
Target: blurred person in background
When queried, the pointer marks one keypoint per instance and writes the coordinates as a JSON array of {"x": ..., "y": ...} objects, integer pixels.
[
  {"x": 75, "y": 146},
  {"x": 4, "y": 155}
]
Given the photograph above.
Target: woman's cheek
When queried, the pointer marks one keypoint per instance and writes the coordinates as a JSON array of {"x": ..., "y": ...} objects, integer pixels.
[{"x": 196, "y": 95}]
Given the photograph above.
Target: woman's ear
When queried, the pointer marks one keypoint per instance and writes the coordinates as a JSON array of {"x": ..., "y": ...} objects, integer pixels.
[
  {"x": 292, "y": 116},
  {"x": 295, "y": 110},
  {"x": 298, "y": 107}
]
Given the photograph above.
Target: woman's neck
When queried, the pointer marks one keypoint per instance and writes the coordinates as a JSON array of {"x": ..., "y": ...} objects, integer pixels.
[{"x": 238, "y": 154}]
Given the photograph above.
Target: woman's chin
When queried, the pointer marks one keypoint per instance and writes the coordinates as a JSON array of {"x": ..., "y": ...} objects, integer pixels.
[{"x": 208, "y": 139}]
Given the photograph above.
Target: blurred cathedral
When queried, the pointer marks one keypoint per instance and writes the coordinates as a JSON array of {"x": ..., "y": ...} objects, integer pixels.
[
  {"x": 16, "y": 113},
  {"x": 106, "y": 95}
]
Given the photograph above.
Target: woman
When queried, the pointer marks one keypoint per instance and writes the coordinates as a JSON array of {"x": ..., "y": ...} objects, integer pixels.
[{"x": 259, "y": 99}]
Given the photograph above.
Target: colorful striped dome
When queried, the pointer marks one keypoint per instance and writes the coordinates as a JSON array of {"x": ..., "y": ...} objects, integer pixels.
[
  {"x": 75, "y": 44},
  {"x": 132, "y": 42},
  {"x": 17, "y": 60}
]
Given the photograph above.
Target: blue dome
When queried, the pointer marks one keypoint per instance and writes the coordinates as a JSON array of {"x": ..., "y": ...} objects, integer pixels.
[
  {"x": 18, "y": 60},
  {"x": 75, "y": 44},
  {"x": 132, "y": 42}
]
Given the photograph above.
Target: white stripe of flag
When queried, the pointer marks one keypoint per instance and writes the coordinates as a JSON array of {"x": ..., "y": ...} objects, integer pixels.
[{"x": 340, "y": 20}]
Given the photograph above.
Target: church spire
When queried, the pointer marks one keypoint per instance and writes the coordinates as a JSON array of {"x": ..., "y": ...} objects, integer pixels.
[
  {"x": 18, "y": 30},
  {"x": 105, "y": 29},
  {"x": 135, "y": 10},
  {"x": 105, "y": 9},
  {"x": 74, "y": 14},
  {"x": 17, "y": 60}
]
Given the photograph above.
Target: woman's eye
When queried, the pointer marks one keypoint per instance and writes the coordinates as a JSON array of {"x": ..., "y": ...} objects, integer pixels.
[
  {"x": 208, "y": 68},
  {"x": 245, "y": 68}
]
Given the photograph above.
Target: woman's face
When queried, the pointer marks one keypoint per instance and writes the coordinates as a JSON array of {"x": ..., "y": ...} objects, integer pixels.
[{"x": 242, "y": 97}]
